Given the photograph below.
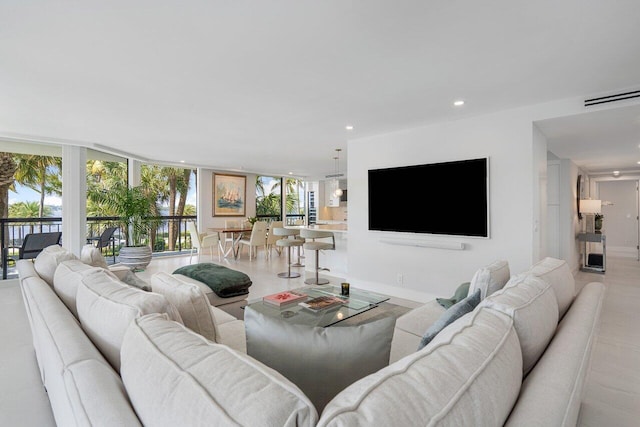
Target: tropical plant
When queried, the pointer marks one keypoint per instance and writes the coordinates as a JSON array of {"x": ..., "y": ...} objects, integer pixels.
[
  {"x": 28, "y": 210},
  {"x": 136, "y": 209},
  {"x": 40, "y": 173}
]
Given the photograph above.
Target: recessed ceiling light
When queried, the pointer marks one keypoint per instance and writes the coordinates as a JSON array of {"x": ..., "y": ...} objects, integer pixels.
[
  {"x": 181, "y": 161},
  {"x": 290, "y": 173},
  {"x": 349, "y": 127},
  {"x": 639, "y": 163},
  {"x": 616, "y": 173},
  {"x": 458, "y": 103}
]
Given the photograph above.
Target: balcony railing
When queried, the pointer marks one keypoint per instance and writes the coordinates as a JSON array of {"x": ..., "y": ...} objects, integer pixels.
[{"x": 170, "y": 237}]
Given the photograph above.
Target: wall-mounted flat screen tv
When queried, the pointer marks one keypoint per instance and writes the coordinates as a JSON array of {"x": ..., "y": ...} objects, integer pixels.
[{"x": 450, "y": 198}]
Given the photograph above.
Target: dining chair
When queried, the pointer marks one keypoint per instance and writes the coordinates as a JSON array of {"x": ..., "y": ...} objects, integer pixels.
[
  {"x": 200, "y": 241},
  {"x": 257, "y": 238},
  {"x": 272, "y": 238}
]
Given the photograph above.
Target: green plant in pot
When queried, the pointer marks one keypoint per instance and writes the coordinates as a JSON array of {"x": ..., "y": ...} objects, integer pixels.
[
  {"x": 135, "y": 207},
  {"x": 598, "y": 222}
]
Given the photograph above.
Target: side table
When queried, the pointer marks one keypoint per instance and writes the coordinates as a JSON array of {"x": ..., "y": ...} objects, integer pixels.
[{"x": 596, "y": 237}]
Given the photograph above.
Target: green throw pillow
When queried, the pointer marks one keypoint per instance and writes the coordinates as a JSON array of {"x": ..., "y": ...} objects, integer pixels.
[
  {"x": 456, "y": 311},
  {"x": 460, "y": 294}
]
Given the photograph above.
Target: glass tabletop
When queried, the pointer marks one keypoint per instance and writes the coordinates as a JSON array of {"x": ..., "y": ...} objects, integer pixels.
[{"x": 358, "y": 301}]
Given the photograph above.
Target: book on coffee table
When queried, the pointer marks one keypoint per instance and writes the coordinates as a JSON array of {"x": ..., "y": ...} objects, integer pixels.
[
  {"x": 284, "y": 298},
  {"x": 322, "y": 302}
]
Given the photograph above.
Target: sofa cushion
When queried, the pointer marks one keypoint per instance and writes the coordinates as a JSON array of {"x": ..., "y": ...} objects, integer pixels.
[
  {"x": 97, "y": 395},
  {"x": 66, "y": 280},
  {"x": 490, "y": 278},
  {"x": 470, "y": 374},
  {"x": 411, "y": 326},
  {"x": 47, "y": 261},
  {"x": 552, "y": 393},
  {"x": 456, "y": 311},
  {"x": 92, "y": 256},
  {"x": 531, "y": 302},
  {"x": 557, "y": 273},
  {"x": 321, "y": 361},
  {"x": 176, "y": 377},
  {"x": 106, "y": 306},
  {"x": 190, "y": 301}
]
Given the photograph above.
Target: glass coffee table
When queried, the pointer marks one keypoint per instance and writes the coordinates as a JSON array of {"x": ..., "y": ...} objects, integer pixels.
[{"x": 358, "y": 301}]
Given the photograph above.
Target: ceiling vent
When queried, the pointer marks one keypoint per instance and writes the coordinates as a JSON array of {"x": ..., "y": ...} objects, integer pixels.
[{"x": 612, "y": 98}]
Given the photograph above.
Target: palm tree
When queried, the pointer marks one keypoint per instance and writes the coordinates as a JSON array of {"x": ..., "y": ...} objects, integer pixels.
[
  {"x": 28, "y": 210},
  {"x": 7, "y": 169},
  {"x": 40, "y": 173}
]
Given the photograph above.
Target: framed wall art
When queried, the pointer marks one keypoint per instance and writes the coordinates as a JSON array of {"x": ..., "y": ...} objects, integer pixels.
[{"x": 229, "y": 195}]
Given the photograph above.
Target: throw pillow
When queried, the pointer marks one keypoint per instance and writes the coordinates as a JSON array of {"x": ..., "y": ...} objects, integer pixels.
[
  {"x": 47, "y": 261},
  {"x": 491, "y": 278},
  {"x": 92, "y": 256},
  {"x": 460, "y": 294},
  {"x": 456, "y": 311}
]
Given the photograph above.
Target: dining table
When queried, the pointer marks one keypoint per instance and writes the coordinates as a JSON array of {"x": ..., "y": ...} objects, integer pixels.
[{"x": 236, "y": 234}]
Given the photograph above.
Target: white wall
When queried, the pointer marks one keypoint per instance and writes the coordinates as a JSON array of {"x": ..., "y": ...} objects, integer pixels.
[
  {"x": 540, "y": 220},
  {"x": 517, "y": 169},
  {"x": 619, "y": 223}
]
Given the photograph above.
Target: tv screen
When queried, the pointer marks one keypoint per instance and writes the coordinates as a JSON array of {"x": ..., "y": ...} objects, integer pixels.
[{"x": 448, "y": 198}]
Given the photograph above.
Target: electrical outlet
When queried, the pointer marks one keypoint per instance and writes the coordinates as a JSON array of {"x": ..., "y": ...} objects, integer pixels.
[{"x": 399, "y": 278}]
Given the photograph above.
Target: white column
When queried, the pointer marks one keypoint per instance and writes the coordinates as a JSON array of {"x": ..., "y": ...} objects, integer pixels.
[
  {"x": 201, "y": 200},
  {"x": 134, "y": 173},
  {"x": 74, "y": 198}
]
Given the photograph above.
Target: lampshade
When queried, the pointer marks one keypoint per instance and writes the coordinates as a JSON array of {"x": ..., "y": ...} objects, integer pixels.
[{"x": 590, "y": 206}]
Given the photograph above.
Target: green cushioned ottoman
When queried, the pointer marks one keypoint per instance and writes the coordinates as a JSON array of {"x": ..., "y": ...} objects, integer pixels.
[{"x": 222, "y": 285}]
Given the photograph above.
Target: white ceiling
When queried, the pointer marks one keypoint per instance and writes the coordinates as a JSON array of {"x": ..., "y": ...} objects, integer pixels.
[
  {"x": 268, "y": 87},
  {"x": 599, "y": 142}
]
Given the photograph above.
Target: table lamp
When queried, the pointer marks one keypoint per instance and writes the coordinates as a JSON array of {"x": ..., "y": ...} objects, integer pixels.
[{"x": 590, "y": 208}]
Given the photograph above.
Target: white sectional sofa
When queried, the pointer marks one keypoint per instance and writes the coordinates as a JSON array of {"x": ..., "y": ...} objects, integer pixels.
[{"x": 508, "y": 362}]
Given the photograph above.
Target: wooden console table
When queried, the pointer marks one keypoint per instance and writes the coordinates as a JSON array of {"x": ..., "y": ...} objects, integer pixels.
[{"x": 587, "y": 238}]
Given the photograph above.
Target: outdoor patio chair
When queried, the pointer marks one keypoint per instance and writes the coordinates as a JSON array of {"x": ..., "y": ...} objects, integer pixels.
[
  {"x": 32, "y": 245},
  {"x": 104, "y": 240}
]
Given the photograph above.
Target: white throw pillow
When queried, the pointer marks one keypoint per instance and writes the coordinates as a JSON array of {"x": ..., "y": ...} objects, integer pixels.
[
  {"x": 47, "y": 261},
  {"x": 107, "y": 306},
  {"x": 175, "y": 377},
  {"x": 67, "y": 279},
  {"x": 92, "y": 256},
  {"x": 469, "y": 375},
  {"x": 190, "y": 301},
  {"x": 557, "y": 273},
  {"x": 491, "y": 278},
  {"x": 531, "y": 302}
]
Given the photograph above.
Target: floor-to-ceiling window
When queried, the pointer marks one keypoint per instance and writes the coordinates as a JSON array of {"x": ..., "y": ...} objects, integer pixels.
[{"x": 269, "y": 198}]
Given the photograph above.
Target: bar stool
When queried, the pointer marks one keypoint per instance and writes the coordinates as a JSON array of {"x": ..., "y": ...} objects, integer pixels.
[
  {"x": 288, "y": 242},
  {"x": 312, "y": 244}
]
